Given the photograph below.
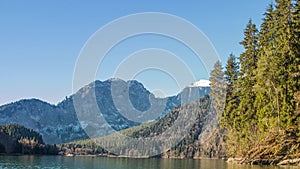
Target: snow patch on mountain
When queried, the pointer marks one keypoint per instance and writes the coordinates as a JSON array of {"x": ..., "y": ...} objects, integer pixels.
[{"x": 200, "y": 83}]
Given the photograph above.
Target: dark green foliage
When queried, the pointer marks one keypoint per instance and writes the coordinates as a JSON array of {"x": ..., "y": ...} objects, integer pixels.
[
  {"x": 244, "y": 118},
  {"x": 50, "y": 149},
  {"x": 18, "y": 139},
  {"x": 265, "y": 98},
  {"x": 265, "y": 74},
  {"x": 15, "y": 130},
  {"x": 232, "y": 99},
  {"x": 278, "y": 68},
  {"x": 246, "y": 80},
  {"x": 2, "y": 148}
]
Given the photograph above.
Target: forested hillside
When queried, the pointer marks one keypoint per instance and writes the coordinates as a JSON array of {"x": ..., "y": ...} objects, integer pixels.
[
  {"x": 16, "y": 139},
  {"x": 203, "y": 140},
  {"x": 261, "y": 113}
]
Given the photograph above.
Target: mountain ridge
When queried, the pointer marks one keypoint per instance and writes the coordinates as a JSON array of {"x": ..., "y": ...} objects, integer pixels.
[{"x": 58, "y": 123}]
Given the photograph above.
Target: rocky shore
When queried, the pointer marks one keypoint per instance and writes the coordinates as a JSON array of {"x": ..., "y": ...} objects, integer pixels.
[{"x": 292, "y": 162}]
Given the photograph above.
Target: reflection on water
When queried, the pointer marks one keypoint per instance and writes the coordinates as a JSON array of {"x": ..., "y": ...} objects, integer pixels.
[{"x": 117, "y": 163}]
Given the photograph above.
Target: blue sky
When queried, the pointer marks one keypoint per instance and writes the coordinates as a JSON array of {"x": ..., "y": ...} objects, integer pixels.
[{"x": 41, "y": 40}]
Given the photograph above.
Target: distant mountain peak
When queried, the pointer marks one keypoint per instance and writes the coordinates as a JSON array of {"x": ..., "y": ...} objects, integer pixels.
[{"x": 200, "y": 83}]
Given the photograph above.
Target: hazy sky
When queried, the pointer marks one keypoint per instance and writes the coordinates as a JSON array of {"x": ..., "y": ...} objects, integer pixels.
[{"x": 41, "y": 40}]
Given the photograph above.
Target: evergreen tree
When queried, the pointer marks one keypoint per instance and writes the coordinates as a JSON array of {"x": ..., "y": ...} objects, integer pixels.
[
  {"x": 246, "y": 81},
  {"x": 268, "y": 83},
  {"x": 278, "y": 68},
  {"x": 232, "y": 101},
  {"x": 229, "y": 118},
  {"x": 217, "y": 88},
  {"x": 295, "y": 68},
  {"x": 243, "y": 113},
  {"x": 285, "y": 62},
  {"x": 265, "y": 101}
]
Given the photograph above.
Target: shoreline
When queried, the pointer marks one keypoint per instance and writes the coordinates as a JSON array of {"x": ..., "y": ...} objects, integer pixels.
[{"x": 266, "y": 162}]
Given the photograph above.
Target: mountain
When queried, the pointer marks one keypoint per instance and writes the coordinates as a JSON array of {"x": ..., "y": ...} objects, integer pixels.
[
  {"x": 188, "y": 94},
  {"x": 203, "y": 138},
  {"x": 55, "y": 124},
  {"x": 123, "y": 104}
]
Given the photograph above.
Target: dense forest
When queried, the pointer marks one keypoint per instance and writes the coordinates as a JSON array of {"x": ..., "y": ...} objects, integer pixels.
[
  {"x": 257, "y": 96},
  {"x": 16, "y": 139}
]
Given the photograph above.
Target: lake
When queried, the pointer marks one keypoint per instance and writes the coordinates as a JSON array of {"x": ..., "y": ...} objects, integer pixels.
[{"x": 61, "y": 162}]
